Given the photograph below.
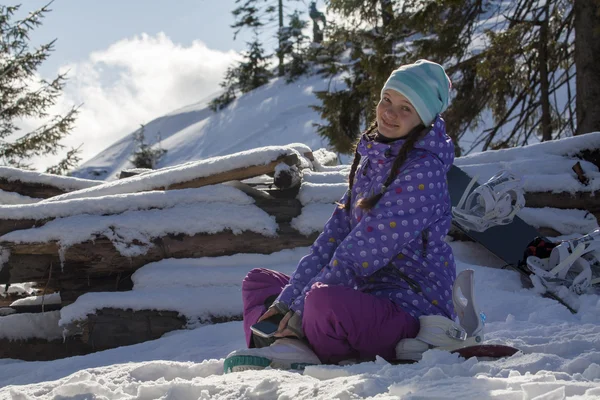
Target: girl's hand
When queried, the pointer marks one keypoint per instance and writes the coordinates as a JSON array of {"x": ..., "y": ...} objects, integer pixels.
[
  {"x": 269, "y": 313},
  {"x": 283, "y": 330}
]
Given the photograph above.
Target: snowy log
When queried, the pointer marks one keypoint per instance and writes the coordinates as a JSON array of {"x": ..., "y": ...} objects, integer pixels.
[
  {"x": 31, "y": 189},
  {"x": 99, "y": 258},
  {"x": 237, "y": 174},
  {"x": 565, "y": 200},
  {"x": 42, "y": 349}
]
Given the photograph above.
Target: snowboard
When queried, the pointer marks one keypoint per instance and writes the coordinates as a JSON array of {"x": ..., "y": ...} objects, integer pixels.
[
  {"x": 483, "y": 352},
  {"x": 508, "y": 242}
]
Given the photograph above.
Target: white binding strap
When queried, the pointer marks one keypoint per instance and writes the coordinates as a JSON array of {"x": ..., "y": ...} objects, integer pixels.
[
  {"x": 466, "y": 192},
  {"x": 567, "y": 262}
]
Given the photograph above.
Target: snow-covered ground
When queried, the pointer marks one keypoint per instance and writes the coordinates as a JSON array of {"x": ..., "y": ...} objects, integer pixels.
[
  {"x": 560, "y": 351},
  {"x": 560, "y": 355}
]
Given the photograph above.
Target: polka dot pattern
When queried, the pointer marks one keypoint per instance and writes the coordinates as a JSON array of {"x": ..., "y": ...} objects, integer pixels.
[{"x": 381, "y": 251}]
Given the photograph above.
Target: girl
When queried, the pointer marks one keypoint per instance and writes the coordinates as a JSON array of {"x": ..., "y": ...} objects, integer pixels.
[{"x": 381, "y": 261}]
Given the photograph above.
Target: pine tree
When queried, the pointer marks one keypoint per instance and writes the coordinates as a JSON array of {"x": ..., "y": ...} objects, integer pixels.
[
  {"x": 362, "y": 50},
  {"x": 294, "y": 47},
  {"x": 21, "y": 98},
  {"x": 522, "y": 73},
  {"x": 145, "y": 156},
  {"x": 587, "y": 59},
  {"x": 253, "y": 71},
  {"x": 526, "y": 60},
  {"x": 258, "y": 14},
  {"x": 230, "y": 85}
]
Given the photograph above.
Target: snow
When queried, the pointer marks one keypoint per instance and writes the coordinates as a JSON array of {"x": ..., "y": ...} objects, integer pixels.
[
  {"x": 275, "y": 114},
  {"x": 63, "y": 182},
  {"x": 545, "y": 167},
  {"x": 183, "y": 173},
  {"x": 326, "y": 177},
  {"x": 16, "y": 198},
  {"x": 560, "y": 355},
  {"x": 196, "y": 288},
  {"x": 311, "y": 218},
  {"x": 564, "y": 221},
  {"x": 141, "y": 226},
  {"x": 31, "y": 326},
  {"x": 114, "y": 204},
  {"x": 53, "y": 298},
  {"x": 321, "y": 192},
  {"x": 561, "y": 351},
  {"x": 17, "y": 289}
]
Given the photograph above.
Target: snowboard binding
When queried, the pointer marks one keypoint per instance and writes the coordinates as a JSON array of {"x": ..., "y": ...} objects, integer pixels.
[
  {"x": 574, "y": 264},
  {"x": 442, "y": 333},
  {"x": 495, "y": 202}
]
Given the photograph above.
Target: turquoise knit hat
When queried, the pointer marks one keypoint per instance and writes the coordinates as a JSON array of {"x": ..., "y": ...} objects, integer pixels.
[{"x": 425, "y": 84}]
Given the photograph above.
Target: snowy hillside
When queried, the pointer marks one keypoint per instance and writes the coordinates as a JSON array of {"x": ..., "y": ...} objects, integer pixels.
[
  {"x": 560, "y": 356},
  {"x": 560, "y": 351},
  {"x": 274, "y": 114}
]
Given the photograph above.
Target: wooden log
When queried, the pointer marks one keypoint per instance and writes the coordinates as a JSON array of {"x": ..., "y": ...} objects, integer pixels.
[
  {"x": 109, "y": 328},
  {"x": 71, "y": 286},
  {"x": 283, "y": 209},
  {"x": 43, "y": 350},
  {"x": 591, "y": 155},
  {"x": 237, "y": 174},
  {"x": 580, "y": 200},
  {"x": 9, "y": 225},
  {"x": 287, "y": 179},
  {"x": 31, "y": 189},
  {"x": 36, "y": 261},
  {"x": 127, "y": 173},
  {"x": 35, "y": 308}
]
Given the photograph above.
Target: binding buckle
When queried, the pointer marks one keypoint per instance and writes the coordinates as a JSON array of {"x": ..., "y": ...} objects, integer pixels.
[{"x": 457, "y": 333}]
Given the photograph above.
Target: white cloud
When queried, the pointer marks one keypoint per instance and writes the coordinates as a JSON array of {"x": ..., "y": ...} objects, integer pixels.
[{"x": 131, "y": 82}]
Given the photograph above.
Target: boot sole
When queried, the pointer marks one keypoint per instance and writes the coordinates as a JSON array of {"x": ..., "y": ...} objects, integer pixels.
[{"x": 245, "y": 363}]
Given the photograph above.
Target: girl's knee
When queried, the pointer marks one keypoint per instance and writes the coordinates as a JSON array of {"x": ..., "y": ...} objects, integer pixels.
[
  {"x": 255, "y": 275},
  {"x": 323, "y": 297}
]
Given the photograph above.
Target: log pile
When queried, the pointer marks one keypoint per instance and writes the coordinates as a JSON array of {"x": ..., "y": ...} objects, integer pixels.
[{"x": 97, "y": 266}]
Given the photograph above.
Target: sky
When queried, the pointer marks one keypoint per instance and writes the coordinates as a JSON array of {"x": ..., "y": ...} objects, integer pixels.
[{"x": 131, "y": 61}]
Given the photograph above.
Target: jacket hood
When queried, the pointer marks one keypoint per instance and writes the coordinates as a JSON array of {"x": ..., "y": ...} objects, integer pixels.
[{"x": 435, "y": 142}]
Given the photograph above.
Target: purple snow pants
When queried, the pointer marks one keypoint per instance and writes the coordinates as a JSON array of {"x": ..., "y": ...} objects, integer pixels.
[{"x": 340, "y": 323}]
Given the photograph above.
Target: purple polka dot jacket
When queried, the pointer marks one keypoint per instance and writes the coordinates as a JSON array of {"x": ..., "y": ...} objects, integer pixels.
[{"x": 381, "y": 251}]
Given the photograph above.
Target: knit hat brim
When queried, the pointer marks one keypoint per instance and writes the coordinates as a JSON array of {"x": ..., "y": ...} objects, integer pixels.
[{"x": 425, "y": 84}]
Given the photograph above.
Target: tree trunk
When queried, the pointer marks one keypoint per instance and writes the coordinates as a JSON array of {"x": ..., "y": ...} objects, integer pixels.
[
  {"x": 587, "y": 62},
  {"x": 387, "y": 12},
  {"x": 281, "y": 71},
  {"x": 544, "y": 82}
]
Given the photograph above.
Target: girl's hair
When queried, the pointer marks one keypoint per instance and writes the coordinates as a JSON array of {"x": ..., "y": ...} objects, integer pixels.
[
  {"x": 409, "y": 144},
  {"x": 368, "y": 203}
]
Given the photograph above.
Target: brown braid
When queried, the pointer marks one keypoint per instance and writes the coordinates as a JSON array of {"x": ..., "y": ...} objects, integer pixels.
[
  {"x": 412, "y": 137},
  {"x": 355, "y": 163}
]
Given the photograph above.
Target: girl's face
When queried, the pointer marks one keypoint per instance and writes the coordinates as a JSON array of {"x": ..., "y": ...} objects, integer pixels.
[{"x": 396, "y": 116}]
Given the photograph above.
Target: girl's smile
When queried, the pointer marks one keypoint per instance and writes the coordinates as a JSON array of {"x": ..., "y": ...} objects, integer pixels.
[{"x": 396, "y": 116}]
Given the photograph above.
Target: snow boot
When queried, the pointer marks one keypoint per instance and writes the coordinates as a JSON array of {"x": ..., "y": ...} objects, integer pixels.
[
  {"x": 284, "y": 353},
  {"x": 442, "y": 333}
]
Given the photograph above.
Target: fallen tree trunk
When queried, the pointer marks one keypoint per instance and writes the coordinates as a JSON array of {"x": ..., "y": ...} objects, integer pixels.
[
  {"x": 284, "y": 209},
  {"x": 31, "y": 189},
  {"x": 579, "y": 200},
  {"x": 43, "y": 350},
  {"x": 237, "y": 174},
  {"x": 39, "y": 261}
]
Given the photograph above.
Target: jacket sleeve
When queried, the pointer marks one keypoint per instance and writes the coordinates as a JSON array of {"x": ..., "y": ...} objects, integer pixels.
[
  {"x": 321, "y": 251},
  {"x": 410, "y": 205}
]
